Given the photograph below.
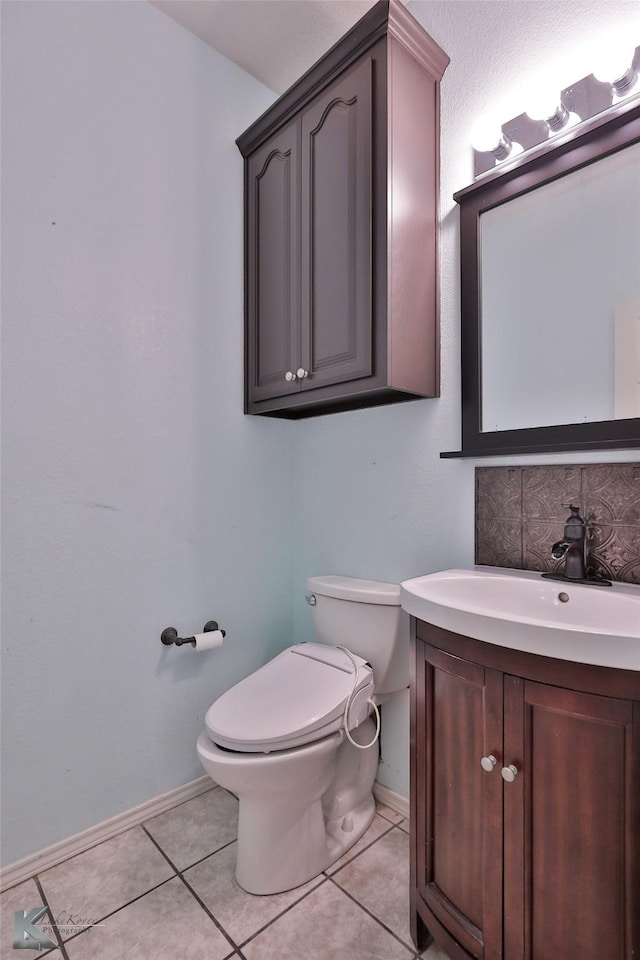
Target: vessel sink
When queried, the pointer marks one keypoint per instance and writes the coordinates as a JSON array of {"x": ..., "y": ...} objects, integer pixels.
[{"x": 520, "y": 610}]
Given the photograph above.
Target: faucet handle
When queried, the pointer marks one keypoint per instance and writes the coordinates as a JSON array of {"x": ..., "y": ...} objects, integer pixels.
[{"x": 575, "y": 517}]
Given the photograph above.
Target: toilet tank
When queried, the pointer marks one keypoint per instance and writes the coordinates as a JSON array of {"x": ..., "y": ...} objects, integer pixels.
[{"x": 365, "y": 617}]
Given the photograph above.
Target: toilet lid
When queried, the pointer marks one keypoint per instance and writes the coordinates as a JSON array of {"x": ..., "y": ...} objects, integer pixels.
[{"x": 295, "y": 696}]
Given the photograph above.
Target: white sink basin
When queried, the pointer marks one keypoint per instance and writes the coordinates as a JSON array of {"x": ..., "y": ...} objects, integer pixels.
[{"x": 520, "y": 610}]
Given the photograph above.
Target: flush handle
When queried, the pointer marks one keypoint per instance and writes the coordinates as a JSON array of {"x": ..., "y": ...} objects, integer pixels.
[
  {"x": 509, "y": 773},
  {"x": 311, "y": 599},
  {"x": 488, "y": 763}
]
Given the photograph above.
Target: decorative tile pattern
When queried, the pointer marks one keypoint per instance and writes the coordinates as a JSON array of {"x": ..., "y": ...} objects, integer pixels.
[
  {"x": 499, "y": 493},
  {"x": 547, "y": 488},
  {"x": 519, "y": 515},
  {"x": 612, "y": 493},
  {"x": 499, "y": 542}
]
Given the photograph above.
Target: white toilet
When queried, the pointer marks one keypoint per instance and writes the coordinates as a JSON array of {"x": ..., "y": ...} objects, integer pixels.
[{"x": 277, "y": 739}]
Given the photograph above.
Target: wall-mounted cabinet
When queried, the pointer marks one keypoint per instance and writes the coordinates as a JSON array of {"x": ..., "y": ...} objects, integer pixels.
[
  {"x": 525, "y": 811},
  {"x": 341, "y": 179}
]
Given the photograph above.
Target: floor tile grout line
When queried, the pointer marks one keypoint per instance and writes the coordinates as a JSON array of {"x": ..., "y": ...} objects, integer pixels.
[
  {"x": 323, "y": 878},
  {"x": 394, "y": 822},
  {"x": 396, "y": 936},
  {"x": 180, "y": 870},
  {"x": 364, "y": 849},
  {"x": 180, "y": 875},
  {"x": 181, "y": 803},
  {"x": 45, "y": 902},
  {"x": 160, "y": 850},
  {"x": 108, "y": 916},
  {"x": 234, "y": 946},
  {"x": 287, "y": 909}
]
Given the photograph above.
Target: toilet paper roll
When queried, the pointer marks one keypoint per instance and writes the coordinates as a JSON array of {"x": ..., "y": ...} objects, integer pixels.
[{"x": 208, "y": 641}]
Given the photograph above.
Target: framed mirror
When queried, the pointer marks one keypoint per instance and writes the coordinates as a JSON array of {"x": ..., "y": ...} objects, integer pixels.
[{"x": 550, "y": 296}]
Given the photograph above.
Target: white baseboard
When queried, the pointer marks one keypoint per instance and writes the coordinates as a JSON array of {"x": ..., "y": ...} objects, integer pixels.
[
  {"x": 391, "y": 799},
  {"x": 38, "y": 862}
]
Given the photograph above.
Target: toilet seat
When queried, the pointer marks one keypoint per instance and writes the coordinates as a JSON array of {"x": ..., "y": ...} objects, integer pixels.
[{"x": 296, "y": 698}]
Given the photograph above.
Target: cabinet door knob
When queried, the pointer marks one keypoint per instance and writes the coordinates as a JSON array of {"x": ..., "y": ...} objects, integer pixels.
[
  {"x": 509, "y": 773},
  {"x": 301, "y": 373},
  {"x": 488, "y": 763},
  {"x": 289, "y": 376}
]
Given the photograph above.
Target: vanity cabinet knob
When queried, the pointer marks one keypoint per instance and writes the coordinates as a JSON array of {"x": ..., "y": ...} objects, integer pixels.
[
  {"x": 509, "y": 773},
  {"x": 488, "y": 763},
  {"x": 301, "y": 373},
  {"x": 290, "y": 376}
]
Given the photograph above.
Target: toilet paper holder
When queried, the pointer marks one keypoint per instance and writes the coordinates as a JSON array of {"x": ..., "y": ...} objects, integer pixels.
[{"x": 170, "y": 635}]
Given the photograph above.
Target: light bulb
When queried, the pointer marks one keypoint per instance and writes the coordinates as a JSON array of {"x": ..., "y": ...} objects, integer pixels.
[
  {"x": 549, "y": 107},
  {"x": 486, "y": 136},
  {"x": 545, "y": 105},
  {"x": 613, "y": 65}
]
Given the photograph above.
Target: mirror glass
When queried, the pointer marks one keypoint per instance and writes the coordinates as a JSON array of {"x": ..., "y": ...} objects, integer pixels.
[{"x": 560, "y": 300}]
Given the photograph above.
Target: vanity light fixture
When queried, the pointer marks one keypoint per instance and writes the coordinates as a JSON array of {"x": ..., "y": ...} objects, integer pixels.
[{"x": 614, "y": 82}]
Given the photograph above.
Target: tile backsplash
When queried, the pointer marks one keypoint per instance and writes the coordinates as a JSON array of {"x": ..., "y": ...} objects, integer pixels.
[{"x": 519, "y": 515}]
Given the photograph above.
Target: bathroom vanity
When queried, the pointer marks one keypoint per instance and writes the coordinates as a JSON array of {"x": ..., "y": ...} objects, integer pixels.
[{"x": 525, "y": 795}]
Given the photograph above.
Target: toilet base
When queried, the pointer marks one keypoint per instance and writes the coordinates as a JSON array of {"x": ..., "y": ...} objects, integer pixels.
[
  {"x": 300, "y": 809},
  {"x": 344, "y": 833}
]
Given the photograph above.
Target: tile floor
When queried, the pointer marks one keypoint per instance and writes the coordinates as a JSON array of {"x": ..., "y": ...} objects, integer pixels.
[{"x": 166, "y": 890}]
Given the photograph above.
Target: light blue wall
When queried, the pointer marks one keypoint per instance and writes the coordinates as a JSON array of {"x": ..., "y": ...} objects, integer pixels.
[
  {"x": 136, "y": 494},
  {"x": 373, "y": 499}
]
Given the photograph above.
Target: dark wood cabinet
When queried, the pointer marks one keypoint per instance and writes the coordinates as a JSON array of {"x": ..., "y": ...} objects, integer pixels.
[
  {"x": 525, "y": 803},
  {"x": 272, "y": 228},
  {"x": 341, "y": 198}
]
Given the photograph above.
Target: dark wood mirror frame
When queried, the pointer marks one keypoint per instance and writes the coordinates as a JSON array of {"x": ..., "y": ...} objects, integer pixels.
[{"x": 592, "y": 140}]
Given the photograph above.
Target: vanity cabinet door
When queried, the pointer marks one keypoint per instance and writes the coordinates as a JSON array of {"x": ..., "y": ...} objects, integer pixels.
[
  {"x": 571, "y": 825},
  {"x": 459, "y": 841},
  {"x": 272, "y": 267}
]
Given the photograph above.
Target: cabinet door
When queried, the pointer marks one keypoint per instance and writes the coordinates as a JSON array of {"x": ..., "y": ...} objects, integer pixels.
[
  {"x": 336, "y": 252},
  {"x": 572, "y": 825},
  {"x": 272, "y": 266},
  {"x": 459, "y": 860}
]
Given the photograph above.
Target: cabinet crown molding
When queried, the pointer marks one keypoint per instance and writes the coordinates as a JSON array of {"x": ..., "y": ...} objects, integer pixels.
[{"x": 386, "y": 18}]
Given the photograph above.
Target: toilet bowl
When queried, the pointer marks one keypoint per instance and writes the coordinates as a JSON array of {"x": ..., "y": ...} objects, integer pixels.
[{"x": 294, "y": 741}]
